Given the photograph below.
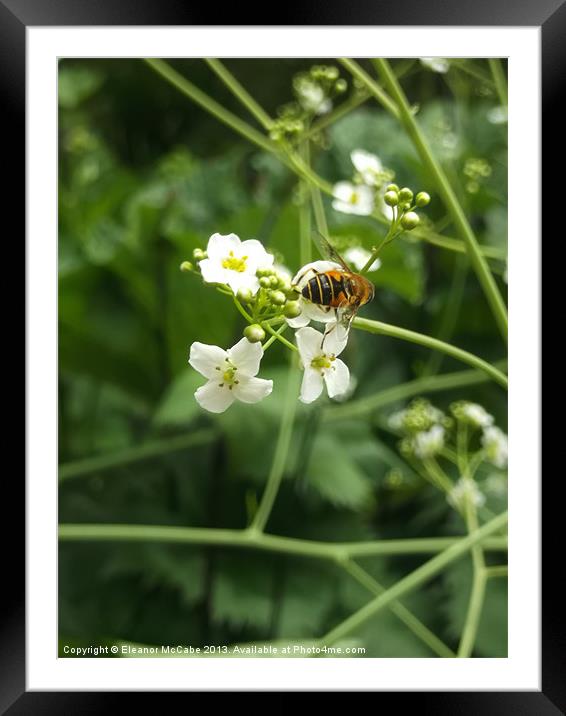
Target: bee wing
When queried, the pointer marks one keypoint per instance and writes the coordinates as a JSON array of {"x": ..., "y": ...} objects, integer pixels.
[{"x": 328, "y": 251}]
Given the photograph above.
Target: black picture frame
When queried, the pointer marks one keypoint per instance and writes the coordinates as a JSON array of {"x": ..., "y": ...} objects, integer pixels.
[{"x": 15, "y": 17}]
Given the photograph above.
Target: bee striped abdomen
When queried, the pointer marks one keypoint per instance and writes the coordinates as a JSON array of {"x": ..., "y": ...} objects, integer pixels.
[{"x": 324, "y": 289}]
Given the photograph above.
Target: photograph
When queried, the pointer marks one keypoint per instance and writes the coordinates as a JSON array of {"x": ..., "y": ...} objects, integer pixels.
[{"x": 282, "y": 357}]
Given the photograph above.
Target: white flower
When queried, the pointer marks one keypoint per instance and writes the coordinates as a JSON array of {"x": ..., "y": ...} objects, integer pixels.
[
  {"x": 311, "y": 311},
  {"x": 353, "y": 199},
  {"x": 231, "y": 375},
  {"x": 464, "y": 491},
  {"x": 234, "y": 262},
  {"x": 368, "y": 166},
  {"x": 312, "y": 97},
  {"x": 494, "y": 442},
  {"x": 321, "y": 364},
  {"x": 436, "y": 64},
  {"x": 476, "y": 415},
  {"x": 497, "y": 115},
  {"x": 427, "y": 443},
  {"x": 358, "y": 257}
]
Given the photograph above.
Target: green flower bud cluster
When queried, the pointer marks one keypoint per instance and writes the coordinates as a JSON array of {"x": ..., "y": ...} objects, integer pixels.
[
  {"x": 418, "y": 416},
  {"x": 405, "y": 202},
  {"x": 477, "y": 170}
]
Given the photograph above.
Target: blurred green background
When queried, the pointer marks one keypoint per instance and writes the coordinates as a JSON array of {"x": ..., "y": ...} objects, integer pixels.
[{"x": 145, "y": 177}]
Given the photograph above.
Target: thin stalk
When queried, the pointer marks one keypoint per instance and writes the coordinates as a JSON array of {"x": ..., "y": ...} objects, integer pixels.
[
  {"x": 240, "y": 92},
  {"x": 281, "y": 451},
  {"x": 420, "y": 630},
  {"x": 386, "y": 329},
  {"x": 429, "y": 384},
  {"x": 477, "y": 260},
  {"x": 499, "y": 79},
  {"x": 246, "y": 539},
  {"x": 304, "y": 212},
  {"x": 375, "y": 89},
  {"x": 145, "y": 451},
  {"x": 277, "y": 336},
  {"x": 477, "y": 595},
  {"x": 500, "y": 570},
  {"x": 412, "y": 581}
]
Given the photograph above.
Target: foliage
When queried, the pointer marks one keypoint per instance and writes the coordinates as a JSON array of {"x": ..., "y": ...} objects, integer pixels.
[{"x": 146, "y": 177}]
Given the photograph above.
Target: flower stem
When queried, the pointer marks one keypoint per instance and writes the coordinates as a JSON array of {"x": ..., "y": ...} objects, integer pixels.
[
  {"x": 413, "y": 580},
  {"x": 477, "y": 595},
  {"x": 499, "y": 79},
  {"x": 277, "y": 336},
  {"x": 428, "y": 384},
  {"x": 386, "y": 329},
  {"x": 244, "y": 539},
  {"x": 378, "y": 92},
  {"x": 305, "y": 252},
  {"x": 238, "y": 91},
  {"x": 281, "y": 451},
  {"x": 477, "y": 260},
  {"x": 420, "y": 630},
  {"x": 145, "y": 451},
  {"x": 274, "y": 336}
]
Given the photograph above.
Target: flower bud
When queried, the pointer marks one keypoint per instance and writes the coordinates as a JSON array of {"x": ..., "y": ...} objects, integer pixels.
[
  {"x": 341, "y": 86},
  {"x": 422, "y": 198},
  {"x": 405, "y": 205},
  {"x": 186, "y": 266},
  {"x": 405, "y": 194},
  {"x": 274, "y": 281},
  {"x": 254, "y": 333},
  {"x": 278, "y": 298},
  {"x": 199, "y": 254},
  {"x": 244, "y": 295},
  {"x": 392, "y": 187},
  {"x": 292, "y": 309},
  {"x": 265, "y": 282},
  {"x": 263, "y": 272},
  {"x": 391, "y": 198},
  {"x": 410, "y": 220}
]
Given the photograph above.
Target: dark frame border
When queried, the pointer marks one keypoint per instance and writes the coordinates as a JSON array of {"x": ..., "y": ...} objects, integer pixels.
[{"x": 15, "y": 16}]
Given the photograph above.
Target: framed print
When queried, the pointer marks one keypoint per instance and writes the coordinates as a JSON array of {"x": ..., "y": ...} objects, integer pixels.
[{"x": 279, "y": 434}]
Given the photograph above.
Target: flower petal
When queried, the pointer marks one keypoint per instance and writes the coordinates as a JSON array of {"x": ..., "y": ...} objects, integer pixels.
[
  {"x": 299, "y": 321},
  {"x": 335, "y": 339},
  {"x": 213, "y": 398},
  {"x": 311, "y": 386},
  {"x": 337, "y": 378},
  {"x": 246, "y": 356},
  {"x": 242, "y": 280},
  {"x": 256, "y": 253},
  {"x": 252, "y": 390},
  {"x": 205, "y": 359},
  {"x": 212, "y": 271},
  {"x": 309, "y": 343},
  {"x": 365, "y": 161},
  {"x": 343, "y": 191},
  {"x": 317, "y": 313},
  {"x": 219, "y": 246}
]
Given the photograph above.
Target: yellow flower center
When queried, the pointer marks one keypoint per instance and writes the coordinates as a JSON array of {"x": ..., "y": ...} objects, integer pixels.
[
  {"x": 322, "y": 362},
  {"x": 228, "y": 375},
  {"x": 354, "y": 198},
  {"x": 233, "y": 263}
]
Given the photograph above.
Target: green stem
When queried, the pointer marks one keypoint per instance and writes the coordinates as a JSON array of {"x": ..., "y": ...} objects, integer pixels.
[
  {"x": 420, "y": 630},
  {"x": 413, "y": 580},
  {"x": 247, "y": 539},
  {"x": 371, "y": 85},
  {"x": 477, "y": 595},
  {"x": 238, "y": 91},
  {"x": 281, "y": 451},
  {"x": 304, "y": 212},
  {"x": 146, "y": 451},
  {"x": 277, "y": 336},
  {"x": 386, "y": 329},
  {"x": 429, "y": 384},
  {"x": 477, "y": 260},
  {"x": 499, "y": 79},
  {"x": 500, "y": 570}
]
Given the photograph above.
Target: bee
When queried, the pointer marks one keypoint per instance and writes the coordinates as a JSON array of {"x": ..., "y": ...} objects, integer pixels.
[{"x": 340, "y": 289}]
